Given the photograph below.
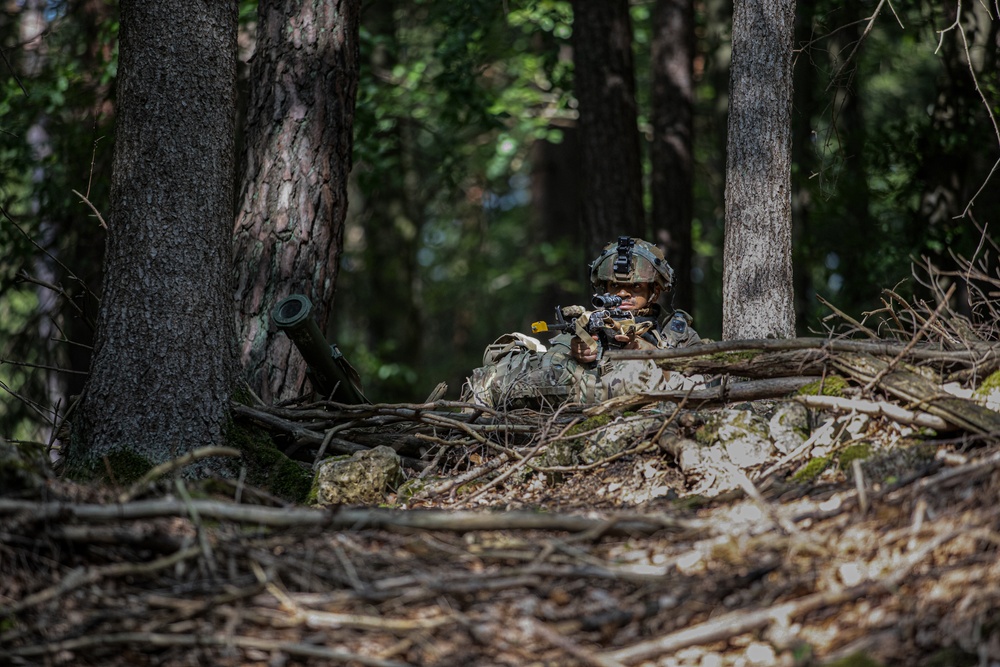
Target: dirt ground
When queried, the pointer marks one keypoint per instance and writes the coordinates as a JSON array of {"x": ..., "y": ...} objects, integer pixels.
[{"x": 618, "y": 563}]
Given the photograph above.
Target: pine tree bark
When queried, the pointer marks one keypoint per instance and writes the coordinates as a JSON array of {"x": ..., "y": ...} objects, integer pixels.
[
  {"x": 164, "y": 361},
  {"x": 297, "y": 157},
  {"x": 757, "y": 281},
  {"x": 604, "y": 84},
  {"x": 671, "y": 155}
]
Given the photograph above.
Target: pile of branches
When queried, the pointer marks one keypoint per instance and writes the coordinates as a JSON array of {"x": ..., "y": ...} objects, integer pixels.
[
  {"x": 899, "y": 574},
  {"x": 898, "y": 571}
]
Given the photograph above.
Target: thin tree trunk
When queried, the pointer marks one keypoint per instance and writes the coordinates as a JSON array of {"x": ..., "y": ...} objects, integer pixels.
[
  {"x": 671, "y": 151},
  {"x": 604, "y": 84},
  {"x": 297, "y": 157},
  {"x": 757, "y": 281}
]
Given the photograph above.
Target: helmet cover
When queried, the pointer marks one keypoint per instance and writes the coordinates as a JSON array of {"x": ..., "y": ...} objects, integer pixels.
[{"x": 631, "y": 260}]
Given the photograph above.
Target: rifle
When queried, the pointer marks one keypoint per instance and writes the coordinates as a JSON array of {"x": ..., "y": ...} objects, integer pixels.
[
  {"x": 328, "y": 370},
  {"x": 605, "y": 321}
]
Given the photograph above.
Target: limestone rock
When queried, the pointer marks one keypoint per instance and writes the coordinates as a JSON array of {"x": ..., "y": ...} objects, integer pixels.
[
  {"x": 360, "y": 479},
  {"x": 742, "y": 434},
  {"x": 789, "y": 426},
  {"x": 599, "y": 439}
]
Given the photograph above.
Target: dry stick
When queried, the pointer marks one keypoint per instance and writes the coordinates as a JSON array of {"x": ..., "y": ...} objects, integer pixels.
[
  {"x": 325, "y": 620},
  {"x": 847, "y": 318},
  {"x": 894, "y": 412},
  {"x": 342, "y": 519},
  {"x": 34, "y": 405},
  {"x": 857, "y": 44},
  {"x": 737, "y": 623},
  {"x": 82, "y": 576},
  {"x": 859, "y": 485},
  {"x": 882, "y": 347},
  {"x": 176, "y": 464},
  {"x": 54, "y": 259},
  {"x": 913, "y": 341},
  {"x": 93, "y": 208},
  {"x": 584, "y": 656},
  {"x": 328, "y": 438},
  {"x": 222, "y": 639},
  {"x": 450, "y": 484},
  {"x": 206, "y": 547},
  {"x": 986, "y": 103}
]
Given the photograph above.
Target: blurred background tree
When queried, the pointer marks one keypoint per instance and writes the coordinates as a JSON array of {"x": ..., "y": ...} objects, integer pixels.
[{"x": 465, "y": 205}]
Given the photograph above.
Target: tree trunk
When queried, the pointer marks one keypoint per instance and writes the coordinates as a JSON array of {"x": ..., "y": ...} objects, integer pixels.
[
  {"x": 163, "y": 368},
  {"x": 289, "y": 233},
  {"x": 604, "y": 84},
  {"x": 671, "y": 152},
  {"x": 757, "y": 281}
]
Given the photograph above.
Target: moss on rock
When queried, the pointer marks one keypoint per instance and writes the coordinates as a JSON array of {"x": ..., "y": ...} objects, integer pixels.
[
  {"x": 811, "y": 470},
  {"x": 990, "y": 384},
  {"x": 267, "y": 466},
  {"x": 848, "y": 455},
  {"x": 831, "y": 385}
]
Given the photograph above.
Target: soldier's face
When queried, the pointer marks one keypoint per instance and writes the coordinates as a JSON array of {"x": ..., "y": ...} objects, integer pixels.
[{"x": 634, "y": 295}]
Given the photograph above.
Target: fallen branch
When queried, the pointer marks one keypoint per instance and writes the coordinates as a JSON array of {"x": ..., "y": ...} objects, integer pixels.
[
  {"x": 343, "y": 519},
  {"x": 896, "y": 413}
]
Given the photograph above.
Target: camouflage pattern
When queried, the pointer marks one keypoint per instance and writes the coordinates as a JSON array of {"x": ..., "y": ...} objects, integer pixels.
[
  {"x": 631, "y": 260},
  {"x": 519, "y": 371}
]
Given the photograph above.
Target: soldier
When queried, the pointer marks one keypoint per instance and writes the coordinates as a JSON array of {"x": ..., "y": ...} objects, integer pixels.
[{"x": 520, "y": 371}]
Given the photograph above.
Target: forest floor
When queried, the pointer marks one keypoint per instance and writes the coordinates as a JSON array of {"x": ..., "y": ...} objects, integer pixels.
[{"x": 626, "y": 562}]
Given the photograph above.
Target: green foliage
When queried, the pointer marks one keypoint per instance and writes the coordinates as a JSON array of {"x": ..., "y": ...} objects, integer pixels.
[
  {"x": 451, "y": 100},
  {"x": 55, "y": 128}
]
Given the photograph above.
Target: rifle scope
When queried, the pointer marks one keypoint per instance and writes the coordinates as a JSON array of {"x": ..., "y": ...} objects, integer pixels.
[{"x": 606, "y": 301}]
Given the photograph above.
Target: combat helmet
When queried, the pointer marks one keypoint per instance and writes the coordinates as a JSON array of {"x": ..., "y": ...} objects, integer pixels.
[{"x": 631, "y": 260}]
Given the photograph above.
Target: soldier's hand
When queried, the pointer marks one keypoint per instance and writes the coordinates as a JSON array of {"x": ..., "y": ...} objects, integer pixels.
[
  {"x": 580, "y": 351},
  {"x": 627, "y": 342}
]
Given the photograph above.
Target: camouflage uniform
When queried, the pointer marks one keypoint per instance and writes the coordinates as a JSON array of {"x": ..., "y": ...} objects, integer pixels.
[{"x": 521, "y": 371}]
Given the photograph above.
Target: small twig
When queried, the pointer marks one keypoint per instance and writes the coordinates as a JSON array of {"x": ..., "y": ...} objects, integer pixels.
[
  {"x": 93, "y": 208},
  {"x": 542, "y": 442},
  {"x": 83, "y": 576},
  {"x": 52, "y": 257},
  {"x": 859, "y": 485},
  {"x": 584, "y": 656},
  {"x": 192, "y": 512},
  {"x": 913, "y": 341}
]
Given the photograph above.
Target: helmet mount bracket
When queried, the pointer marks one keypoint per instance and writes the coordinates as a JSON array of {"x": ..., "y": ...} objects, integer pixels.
[{"x": 623, "y": 263}]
